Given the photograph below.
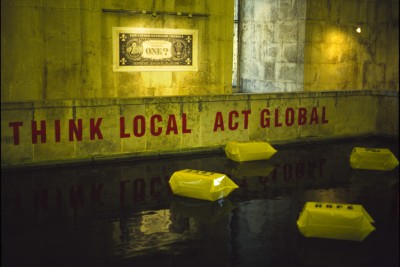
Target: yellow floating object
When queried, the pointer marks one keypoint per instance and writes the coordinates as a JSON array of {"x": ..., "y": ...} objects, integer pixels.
[
  {"x": 335, "y": 221},
  {"x": 201, "y": 184},
  {"x": 373, "y": 159},
  {"x": 248, "y": 151}
]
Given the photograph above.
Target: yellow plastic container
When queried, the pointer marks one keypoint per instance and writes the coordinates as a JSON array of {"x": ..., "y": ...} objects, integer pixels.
[
  {"x": 335, "y": 221},
  {"x": 201, "y": 184},
  {"x": 373, "y": 159},
  {"x": 249, "y": 151}
]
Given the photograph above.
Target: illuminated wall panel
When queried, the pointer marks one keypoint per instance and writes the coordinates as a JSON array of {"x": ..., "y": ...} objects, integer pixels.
[
  {"x": 336, "y": 57},
  {"x": 63, "y": 49}
]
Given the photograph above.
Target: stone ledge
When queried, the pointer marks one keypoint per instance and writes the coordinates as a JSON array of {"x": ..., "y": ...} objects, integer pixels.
[{"x": 189, "y": 99}]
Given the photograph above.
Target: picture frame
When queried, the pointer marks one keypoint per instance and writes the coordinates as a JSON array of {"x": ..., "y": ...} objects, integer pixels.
[{"x": 154, "y": 49}]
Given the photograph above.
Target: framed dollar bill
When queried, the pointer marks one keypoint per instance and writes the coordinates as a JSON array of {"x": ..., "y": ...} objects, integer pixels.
[{"x": 149, "y": 49}]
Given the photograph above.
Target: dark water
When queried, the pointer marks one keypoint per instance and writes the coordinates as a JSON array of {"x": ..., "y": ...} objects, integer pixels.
[{"x": 125, "y": 214}]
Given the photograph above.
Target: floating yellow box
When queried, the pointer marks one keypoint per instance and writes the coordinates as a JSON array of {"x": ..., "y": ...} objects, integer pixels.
[
  {"x": 201, "y": 184},
  {"x": 248, "y": 151},
  {"x": 373, "y": 159},
  {"x": 335, "y": 221}
]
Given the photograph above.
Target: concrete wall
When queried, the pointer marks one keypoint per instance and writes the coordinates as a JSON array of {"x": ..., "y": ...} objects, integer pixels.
[
  {"x": 312, "y": 45},
  {"x": 62, "y": 101},
  {"x": 63, "y": 49},
  {"x": 85, "y": 130},
  {"x": 336, "y": 57}
]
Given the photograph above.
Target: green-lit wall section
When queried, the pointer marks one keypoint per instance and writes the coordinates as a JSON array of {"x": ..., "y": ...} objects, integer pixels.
[
  {"x": 336, "y": 57},
  {"x": 63, "y": 49},
  {"x": 304, "y": 75},
  {"x": 87, "y": 130}
]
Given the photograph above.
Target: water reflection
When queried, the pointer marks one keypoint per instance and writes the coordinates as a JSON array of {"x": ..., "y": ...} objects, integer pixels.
[
  {"x": 119, "y": 214},
  {"x": 323, "y": 252},
  {"x": 149, "y": 231},
  {"x": 199, "y": 210}
]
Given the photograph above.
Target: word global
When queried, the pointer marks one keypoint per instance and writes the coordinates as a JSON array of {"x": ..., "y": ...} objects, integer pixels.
[{"x": 157, "y": 125}]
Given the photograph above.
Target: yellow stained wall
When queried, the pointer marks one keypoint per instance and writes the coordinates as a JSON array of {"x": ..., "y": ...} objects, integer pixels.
[
  {"x": 164, "y": 125},
  {"x": 57, "y": 68},
  {"x": 63, "y": 49},
  {"x": 336, "y": 57}
]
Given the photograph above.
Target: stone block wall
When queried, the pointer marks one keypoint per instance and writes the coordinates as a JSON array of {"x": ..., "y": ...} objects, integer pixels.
[
  {"x": 312, "y": 45},
  {"x": 272, "y": 45},
  {"x": 336, "y": 57},
  {"x": 62, "y": 101}
]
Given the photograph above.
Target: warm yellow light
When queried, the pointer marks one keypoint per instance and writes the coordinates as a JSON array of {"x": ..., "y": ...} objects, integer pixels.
[{"x": 358, "y": 30}]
